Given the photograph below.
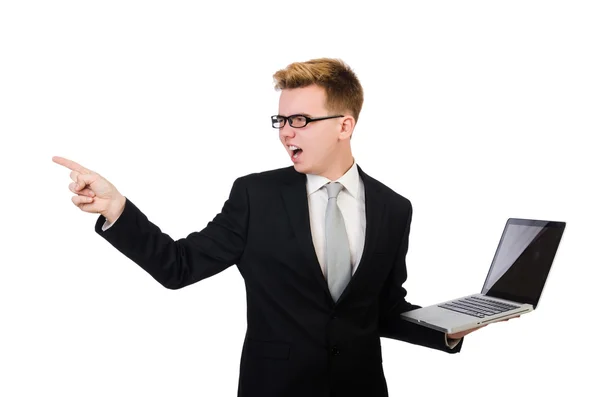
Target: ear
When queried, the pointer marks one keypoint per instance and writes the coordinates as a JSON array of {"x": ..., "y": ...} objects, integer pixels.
[{"x": 347, "y": 127}]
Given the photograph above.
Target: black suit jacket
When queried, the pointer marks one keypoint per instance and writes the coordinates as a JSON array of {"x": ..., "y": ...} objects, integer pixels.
[{"x": 299, "y": 342}]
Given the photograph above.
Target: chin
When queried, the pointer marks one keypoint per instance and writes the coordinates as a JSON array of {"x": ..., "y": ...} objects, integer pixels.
[{"x": 302, "y": 168}]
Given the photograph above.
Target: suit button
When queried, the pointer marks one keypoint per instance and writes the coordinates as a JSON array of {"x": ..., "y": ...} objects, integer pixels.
[{"x": 335, "y": 351}]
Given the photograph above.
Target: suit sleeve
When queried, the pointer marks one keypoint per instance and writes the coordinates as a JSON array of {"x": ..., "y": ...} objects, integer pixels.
[
  {"x": 392, "y": 303},
  {"x": 178, "y": 263}
]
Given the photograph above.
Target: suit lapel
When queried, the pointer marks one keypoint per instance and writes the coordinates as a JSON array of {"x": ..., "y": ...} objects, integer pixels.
[{"x": 296, "y": 204}]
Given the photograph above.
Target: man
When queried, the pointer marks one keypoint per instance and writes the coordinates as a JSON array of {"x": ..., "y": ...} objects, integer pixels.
[{"x": 321, "y": 246}]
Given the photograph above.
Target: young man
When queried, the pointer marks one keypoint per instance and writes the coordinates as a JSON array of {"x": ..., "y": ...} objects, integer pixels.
[{"x": 321, "y": 246}]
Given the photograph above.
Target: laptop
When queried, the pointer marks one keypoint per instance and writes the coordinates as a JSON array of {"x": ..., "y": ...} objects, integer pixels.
[{"x": 513, "y": 285}]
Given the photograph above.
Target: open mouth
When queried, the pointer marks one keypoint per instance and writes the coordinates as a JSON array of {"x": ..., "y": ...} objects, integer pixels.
[{"x": 296, "y": 151}]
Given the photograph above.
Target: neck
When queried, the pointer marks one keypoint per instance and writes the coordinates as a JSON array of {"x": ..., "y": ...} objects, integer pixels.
[{"x": 339, "y": 168}]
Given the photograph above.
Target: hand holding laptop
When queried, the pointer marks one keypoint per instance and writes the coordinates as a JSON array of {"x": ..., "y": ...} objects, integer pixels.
[{"x": 513, "y": 286}]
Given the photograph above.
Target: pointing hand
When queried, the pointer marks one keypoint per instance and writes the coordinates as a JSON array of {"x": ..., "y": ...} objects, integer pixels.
[{"x": 94, "y": 193}]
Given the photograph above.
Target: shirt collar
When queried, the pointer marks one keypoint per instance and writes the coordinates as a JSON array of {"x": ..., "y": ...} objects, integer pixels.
[{"x": 349, "y": 180}]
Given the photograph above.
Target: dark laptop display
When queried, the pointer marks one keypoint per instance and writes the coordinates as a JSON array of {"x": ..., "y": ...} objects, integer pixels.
[{"x": 523, "y": 259}]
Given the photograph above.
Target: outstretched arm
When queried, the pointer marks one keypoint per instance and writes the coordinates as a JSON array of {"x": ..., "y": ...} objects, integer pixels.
[{"x": 176, "y": 264}]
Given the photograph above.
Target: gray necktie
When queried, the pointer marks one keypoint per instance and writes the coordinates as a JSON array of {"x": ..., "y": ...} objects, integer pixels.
[{"x": 337, "y": 250}]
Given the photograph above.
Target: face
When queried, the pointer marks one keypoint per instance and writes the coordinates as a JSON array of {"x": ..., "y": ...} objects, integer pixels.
[{"x": 324, "y": 143}]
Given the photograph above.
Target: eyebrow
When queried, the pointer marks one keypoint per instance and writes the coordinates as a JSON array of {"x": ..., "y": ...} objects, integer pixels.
[
  {"x": 297, "y": 114},
  {"x": 301, "y": 114}
]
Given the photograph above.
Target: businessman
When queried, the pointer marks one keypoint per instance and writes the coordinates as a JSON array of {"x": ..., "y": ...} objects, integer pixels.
[{"x": 321, "y": 246}]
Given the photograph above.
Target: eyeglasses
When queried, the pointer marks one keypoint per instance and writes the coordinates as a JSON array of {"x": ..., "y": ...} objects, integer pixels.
[{"x": 296, "y": 120}]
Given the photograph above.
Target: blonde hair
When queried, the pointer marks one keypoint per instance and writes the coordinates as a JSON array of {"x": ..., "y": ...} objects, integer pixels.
[{"x": 342, "y": 88}]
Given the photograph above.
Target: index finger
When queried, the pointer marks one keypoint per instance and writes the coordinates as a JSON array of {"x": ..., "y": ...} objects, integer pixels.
[{"x": 70, "y": 164}]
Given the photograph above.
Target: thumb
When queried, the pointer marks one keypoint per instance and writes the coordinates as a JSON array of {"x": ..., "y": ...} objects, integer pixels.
[{"x": 83, "y": 180}]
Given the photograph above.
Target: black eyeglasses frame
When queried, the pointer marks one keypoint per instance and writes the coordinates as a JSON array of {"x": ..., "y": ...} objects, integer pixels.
[{"x": 288, "y": 119}]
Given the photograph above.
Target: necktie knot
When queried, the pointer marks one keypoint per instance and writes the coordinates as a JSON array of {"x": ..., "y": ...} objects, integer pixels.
[{"x": 333, "y": 189}]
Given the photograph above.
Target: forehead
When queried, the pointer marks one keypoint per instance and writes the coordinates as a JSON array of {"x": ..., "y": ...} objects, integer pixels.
[{"x": 309, "y": 100}]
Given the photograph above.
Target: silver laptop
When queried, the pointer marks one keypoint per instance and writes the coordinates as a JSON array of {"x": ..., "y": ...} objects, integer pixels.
[{"x": 513, "y": 285}]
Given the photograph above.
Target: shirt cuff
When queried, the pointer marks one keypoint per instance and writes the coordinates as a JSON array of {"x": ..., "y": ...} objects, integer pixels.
[
  {"x": 107, "y": 224},
  {"x": 451, "y": 343}
]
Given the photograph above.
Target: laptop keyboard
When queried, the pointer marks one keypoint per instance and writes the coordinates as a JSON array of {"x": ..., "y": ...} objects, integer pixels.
[{"x": 477, "y": 306}]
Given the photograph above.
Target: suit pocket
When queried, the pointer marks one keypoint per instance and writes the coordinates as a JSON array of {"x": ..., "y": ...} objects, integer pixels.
[{"x": 272, "y": 350}]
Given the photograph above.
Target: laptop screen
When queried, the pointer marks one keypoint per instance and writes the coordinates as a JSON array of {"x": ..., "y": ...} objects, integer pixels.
[{"x": 523, "y": 259}]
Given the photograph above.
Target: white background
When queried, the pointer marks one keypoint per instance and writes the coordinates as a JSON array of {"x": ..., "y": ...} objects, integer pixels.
[{"x": 475, "y": 110}]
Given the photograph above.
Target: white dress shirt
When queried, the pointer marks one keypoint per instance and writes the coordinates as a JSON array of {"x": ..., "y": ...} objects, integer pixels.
[{"x": 351, "y": 201}]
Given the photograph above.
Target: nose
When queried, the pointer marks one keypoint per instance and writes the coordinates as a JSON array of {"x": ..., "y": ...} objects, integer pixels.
[{"x": 287, "y": 131}]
